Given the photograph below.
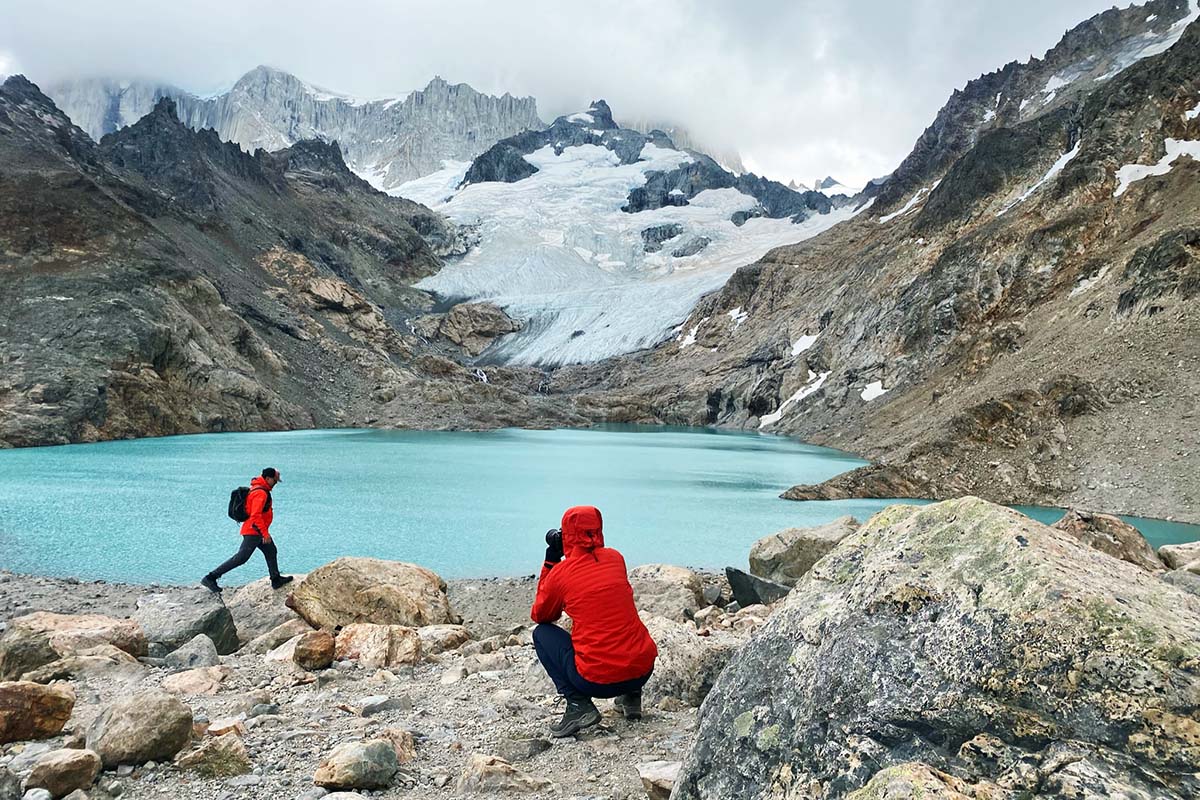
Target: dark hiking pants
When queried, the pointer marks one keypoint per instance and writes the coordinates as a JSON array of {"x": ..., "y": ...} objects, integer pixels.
[
  {"x": 557, "y": 654},
  {"x": 249, "y": 545}
]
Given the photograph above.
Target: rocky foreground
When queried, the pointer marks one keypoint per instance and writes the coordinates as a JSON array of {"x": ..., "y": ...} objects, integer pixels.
[{"x": 948, "y": 651}]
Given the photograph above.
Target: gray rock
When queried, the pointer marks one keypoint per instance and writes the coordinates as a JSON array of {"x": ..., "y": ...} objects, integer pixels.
[
  {"x": 665, "y": 590},
  {"x": 785, "y": 556},
  {"x": 379, "y": 703},
  {"x": 199, "y": 652},
  {"x": 37, "y": 794},
  {"x": 257, "y": 608},
  {"x": 1111, "y": 535},
  {"x": 965, "y": 635},
  {"x": 513, "y": 750},
  {"x": 316, "y": 793},
  {"x": 688, "y": 664},
  {"x": 10, "y": 785},
  {"x": 148, "y": 726},
  {"x": 654, "y": 236},
  {"x": 358, "y": 765},
  {"x": 1184, "y": 579},
  {"x": 23, "y": 650},
  {"x": 691, "y": 247},
  {"x": 749, "y": 590},
  {"x": 172, "y": 620}
]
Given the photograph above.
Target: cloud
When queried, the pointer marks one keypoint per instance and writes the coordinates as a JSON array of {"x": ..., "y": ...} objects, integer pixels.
[{"x": 801, "y": 88}]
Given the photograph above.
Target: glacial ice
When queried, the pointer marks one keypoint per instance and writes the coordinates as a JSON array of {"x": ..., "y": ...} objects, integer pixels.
[{"x": 557, "y": 251}]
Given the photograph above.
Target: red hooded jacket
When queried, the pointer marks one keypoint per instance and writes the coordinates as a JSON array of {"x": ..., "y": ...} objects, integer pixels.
[
  {"x": 592, "y": 587},
  {"x": 260, "y": 520}
]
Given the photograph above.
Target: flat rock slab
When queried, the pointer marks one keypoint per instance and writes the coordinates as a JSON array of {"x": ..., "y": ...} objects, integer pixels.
[{"x": 172, "y": 620}]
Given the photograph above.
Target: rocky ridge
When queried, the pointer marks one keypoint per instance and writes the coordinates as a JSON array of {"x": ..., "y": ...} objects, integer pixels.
[{"x": 389, "y": 140}]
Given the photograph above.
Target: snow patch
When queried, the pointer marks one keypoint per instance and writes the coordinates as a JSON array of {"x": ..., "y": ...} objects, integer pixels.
[
  {"x": 690, "y": 339},
  {"x": 1176, "y": 148},
  {"x": 582, "y": 117},
  {"x": 916, "y": 198},
  {"x": 1055, "y": 168},
  {"x": 873, "y": 390},
  {"x": 738, "y": 316},
  {"x": 815, "y": 382},
  {"x": 803, "y": 343},
  {"x": 1190, "y": 115}
]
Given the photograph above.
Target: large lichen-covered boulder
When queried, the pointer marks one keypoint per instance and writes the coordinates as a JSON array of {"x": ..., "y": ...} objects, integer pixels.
[
  {"x": 1111, "y": 535},
  {"x": 666, "y": 590},
  {"x": 785, "y": 556},
  {"x": 351, "y": 590},
  {"x": 932, "y": 626}
]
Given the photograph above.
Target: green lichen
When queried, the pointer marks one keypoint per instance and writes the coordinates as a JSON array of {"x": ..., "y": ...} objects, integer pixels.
[
  {"x": 742, "y": 724},
  {"x": 768, "y": 738}
]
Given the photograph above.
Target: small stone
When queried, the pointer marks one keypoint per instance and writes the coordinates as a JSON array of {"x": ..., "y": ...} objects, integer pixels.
[
  {"x": 521, "y": 749},
  {"x": 224, "y": 725},
  {"x": 658, "y": 778},
  {"x": 218, "y": 757},
  {"x": 314, "y": 651},
  {"x": 484, "y": 773},
  {"x": 379, "y": 703},
  {"x": 402, "y": 742},
  {"x": 454, "y": 675},
  {"x": 358, "y": 765}
]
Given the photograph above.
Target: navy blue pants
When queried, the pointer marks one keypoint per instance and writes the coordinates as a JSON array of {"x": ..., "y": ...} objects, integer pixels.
[{"x": 557, "y": 654}]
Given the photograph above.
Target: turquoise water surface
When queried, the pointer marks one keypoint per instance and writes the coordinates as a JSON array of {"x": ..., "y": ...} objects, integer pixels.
[{"x": 462, "y": 504}]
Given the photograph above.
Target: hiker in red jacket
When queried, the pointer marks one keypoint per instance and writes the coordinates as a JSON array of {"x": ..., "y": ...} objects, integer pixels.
[
  {"x": 256, "y": 533},
  {"x": 609, "y": 652}
]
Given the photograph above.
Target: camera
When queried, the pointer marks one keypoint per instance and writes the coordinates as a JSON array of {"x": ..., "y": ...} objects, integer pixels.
[{"x": 554, "y": 538}]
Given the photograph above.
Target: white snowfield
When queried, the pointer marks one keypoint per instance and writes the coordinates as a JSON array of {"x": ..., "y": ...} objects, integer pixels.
[
  {"x": 557, "y": 252},
  {"x": 911, "y": 204},
  {"x": 1055, "y": 168},
  {"x": 873, "y": 390},
  {"x": 1131, "y": 173},
  {"x": 815, "y": 382}
]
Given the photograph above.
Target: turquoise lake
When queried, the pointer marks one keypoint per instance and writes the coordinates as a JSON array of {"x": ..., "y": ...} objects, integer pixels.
[{"x": 462, "y": 504}]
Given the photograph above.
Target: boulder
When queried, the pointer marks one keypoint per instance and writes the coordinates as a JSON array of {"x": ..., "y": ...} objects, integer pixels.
[
  {"x": 474, "y": 326},
  {"x": 61, "y": 772},
  {"x": 351, "y": 590},
  {"x": 148, "y": 726},
  {"x": 103, "y": 662},
  {"x": 1179, "y": 556},
  {"x": 785, "y": 556},
  {"x": 489, "y": 774},
  {"x": 199, "y": 652},
  {"x": 23, "y": 650},
  {"x": 658, "y": 778},
  {"x": 666, "y": 591},
  {"x": 750, "y": 590},
  {"x": 217, "y": 757},
  {"x": 440, "y": 638},
  {"x": 37, "y": 794},
  {"x": 314, "y": 650},
  {"x": 172, "y": 620},
  {"x": 200, "y": 681},
  {"x": 358, "y": 765},
  {"x": 379, "y": 646},
  {"x": 1185, "y": 579},
  {"x": 33, "y": 711},
  {"x": 932, "y": 625},
  {"x": 688, "y": 664},
  {"x": 286, "y": 652},
  {"x": 1111, "y": 535},
  {"x": 278, "y": 635},
  {"x": 67, "y": 633},
  {"x": 257, "y": 608}
]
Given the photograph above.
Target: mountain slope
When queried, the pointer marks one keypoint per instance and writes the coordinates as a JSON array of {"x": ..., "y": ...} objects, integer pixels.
[
  {"x": 164, "y": 281},
  {"x": 1021, "y": 327},
  {"x": 601, "y": 238},
  {"x": 389, "y": 141}
]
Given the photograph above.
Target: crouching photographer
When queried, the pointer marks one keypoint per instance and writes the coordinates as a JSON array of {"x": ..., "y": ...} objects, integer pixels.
[{"x": 609, "y": 652}]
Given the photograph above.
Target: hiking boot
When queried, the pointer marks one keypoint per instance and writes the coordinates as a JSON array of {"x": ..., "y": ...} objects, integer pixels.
[
  {"x": 282, "y": 580},
  {"x": 581, "y": 713},
  {"x": 630, "y": 705},
  {"x": 210, "y": 583}
]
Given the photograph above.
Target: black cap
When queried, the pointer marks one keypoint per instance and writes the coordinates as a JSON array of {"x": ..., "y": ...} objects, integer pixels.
[{"x": 271, "y": 472}]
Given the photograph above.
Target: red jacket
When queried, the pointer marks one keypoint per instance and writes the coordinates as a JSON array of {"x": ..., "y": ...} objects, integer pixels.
[
  {"x": 592, "y": 587},
  {"x": 259, "y": 521}
]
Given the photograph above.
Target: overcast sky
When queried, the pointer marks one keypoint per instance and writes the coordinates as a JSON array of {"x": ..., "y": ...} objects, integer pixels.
[{"x": 799, "y": 88}]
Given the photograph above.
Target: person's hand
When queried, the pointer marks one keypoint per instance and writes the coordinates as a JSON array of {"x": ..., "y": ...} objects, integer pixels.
[{"x": 554, "y": 551}]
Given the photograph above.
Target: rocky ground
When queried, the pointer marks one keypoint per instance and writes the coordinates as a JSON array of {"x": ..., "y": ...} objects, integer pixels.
[{"x": 486, "y": 695}]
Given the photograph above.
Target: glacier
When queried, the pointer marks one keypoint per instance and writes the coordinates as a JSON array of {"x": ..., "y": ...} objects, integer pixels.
[{"x": 556, "y": 250}]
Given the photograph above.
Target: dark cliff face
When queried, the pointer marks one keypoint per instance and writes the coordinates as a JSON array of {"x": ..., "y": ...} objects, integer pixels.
[{"x": 1086, "y": 57}]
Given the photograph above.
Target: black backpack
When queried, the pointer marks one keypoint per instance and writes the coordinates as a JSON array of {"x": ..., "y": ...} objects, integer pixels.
[{"x": 237, "y": 503}]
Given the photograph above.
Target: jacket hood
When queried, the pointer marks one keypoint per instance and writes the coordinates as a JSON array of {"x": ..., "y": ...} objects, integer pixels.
[
  {"x": 582, "y": 529},
  {"x": 259, "y": 482}
]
